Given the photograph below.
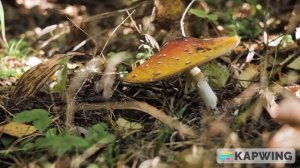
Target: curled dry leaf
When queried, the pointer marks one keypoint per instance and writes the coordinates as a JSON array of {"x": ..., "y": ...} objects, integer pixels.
[
  {"x": 180, "y": 55},
  {"x": 109, "y": 75},
  {"x": 34, "y": 79},
  {"x": 286, "y": 137},
  {"x": 92, "y": 67},
  {"x": 95, "y": 65},
  {"x": 17, "y": 129}
]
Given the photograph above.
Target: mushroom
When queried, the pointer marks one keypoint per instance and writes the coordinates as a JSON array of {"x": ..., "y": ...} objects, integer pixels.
[{"x": 181, "y": 55}]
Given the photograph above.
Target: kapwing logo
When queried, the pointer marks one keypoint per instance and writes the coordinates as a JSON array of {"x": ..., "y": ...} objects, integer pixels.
[
  {"x": 227, "y": 155},
  {"x": 256, "y": 155}
]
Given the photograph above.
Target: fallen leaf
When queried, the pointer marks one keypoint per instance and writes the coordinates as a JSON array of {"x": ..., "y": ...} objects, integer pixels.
[
  {"x": 125, "y": 124},
  {"x": 17, "y": 129},
  {"x": 248, "y": 74},
  {"x": 286, "y": 137},
  {"x": 34, "y": 79},
  {"x": 108, "y": 76},
  {"x": 295, "y": 64},
  {"x": 194, "y": 157},
  {"x": 288, "y": 111}
]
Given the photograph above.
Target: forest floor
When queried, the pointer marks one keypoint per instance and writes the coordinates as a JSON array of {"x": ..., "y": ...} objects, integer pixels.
[{"x": 65, "y": 100}]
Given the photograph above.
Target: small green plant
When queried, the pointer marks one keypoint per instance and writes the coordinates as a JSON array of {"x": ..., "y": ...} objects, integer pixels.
[
  {"x": 98, "y": 134},
  {"x": 204, "y": 15},
  {"x": 61, "y": 77},
  {"x": 143, "y": 56},
  {"x": 17, "y": 48},
  {"x": 60, "y": 143},
  {"x": 4, "y": 72},
  {"x": 164, "y": 134},
  {"x": 39, "y": 118}
]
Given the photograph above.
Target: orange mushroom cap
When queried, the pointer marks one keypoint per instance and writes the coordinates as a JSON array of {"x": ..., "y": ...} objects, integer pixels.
[{"x": 180, "y": 55}]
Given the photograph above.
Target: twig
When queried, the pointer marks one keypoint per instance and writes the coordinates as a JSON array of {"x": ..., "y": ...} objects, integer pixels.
[
  {"x": 290, "y": 59},
  {"x": 77, "y": 161},
  {"x": 133, "y": 22},
  {"x": 144, "y": 107},
  {"x": 183, "y": 16},
  {"x": 8, "y": 112},
  {"x": 113, "y": 32},
  {"x": 264, "y": 80},
  {"x": 95, "y": 42}
]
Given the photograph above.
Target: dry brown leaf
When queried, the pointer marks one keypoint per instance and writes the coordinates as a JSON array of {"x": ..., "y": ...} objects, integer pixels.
[
  {"x": 243, "y": 97},
  {"x": 62, "y": 162},
  {"x": 168, "y": 11},
  {"x": 17, "y": 129},
  {"x": 286, "y": 137},
  {"x": 34, "y": 79},
  {"x": 195, "y": 157},
  {"x": 294, "y": 20},
  {"x": 91, "y": 68},
  {"x": 218, "y": 127},
  {"x": 248, "y": 74},
  {"x": 288, "y": 111}
]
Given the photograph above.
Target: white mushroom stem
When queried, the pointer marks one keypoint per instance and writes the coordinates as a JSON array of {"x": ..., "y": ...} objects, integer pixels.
[{"x": 206, "y": 93}]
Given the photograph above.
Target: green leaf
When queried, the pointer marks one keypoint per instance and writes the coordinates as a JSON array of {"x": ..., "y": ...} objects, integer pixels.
[
  {"x": 217, "y": 75},
  {"x": 60, "y": 143},
  {"x": 5, "y": 72},
  {"x": 203, "y": 14},
  {"x": 98, "y": 133},
  {"x": 61, "y": 76},
  {"x": 42, "y": 123},
  {"x": 38, "y": 117},
  {"x": 212, "y": 17},
  {"x": 199, "y": 13},
  {"x": 125, "y": 124},
  {"x": 295, "y": 64}
]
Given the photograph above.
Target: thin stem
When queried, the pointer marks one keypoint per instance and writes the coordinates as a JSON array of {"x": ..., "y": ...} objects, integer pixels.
[{"x": 183, "y": 16}]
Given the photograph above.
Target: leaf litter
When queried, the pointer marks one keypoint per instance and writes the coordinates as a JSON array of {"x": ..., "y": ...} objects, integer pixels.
[{"x": 93, "y": 96}]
